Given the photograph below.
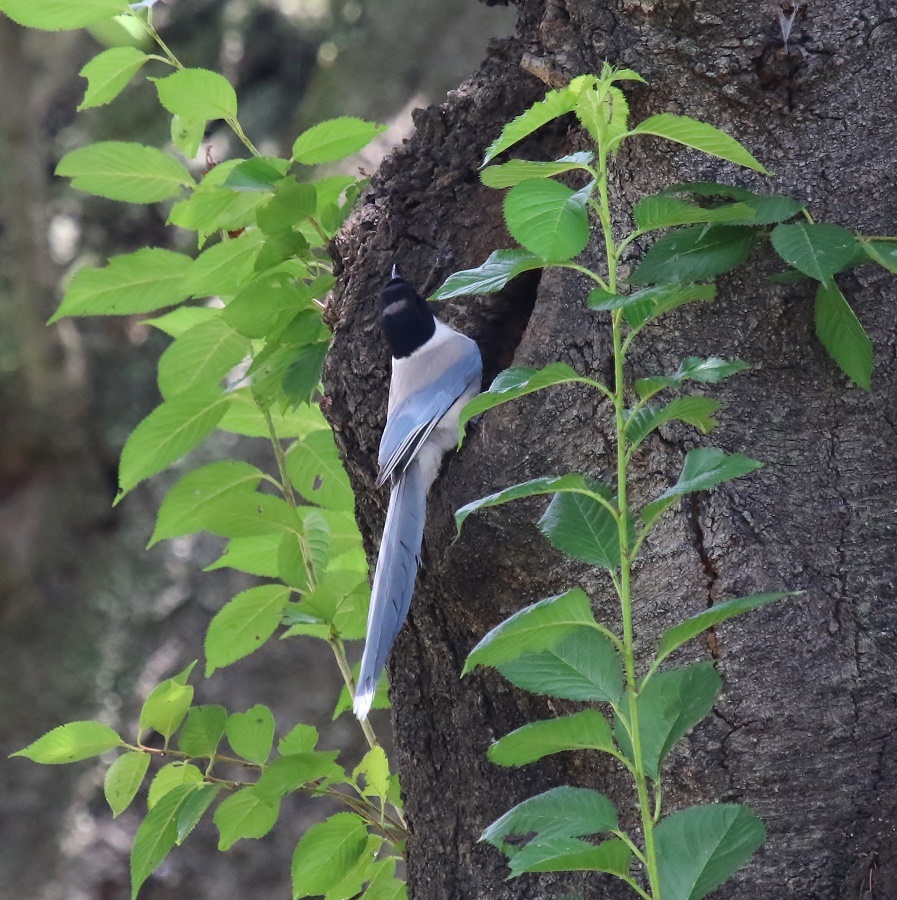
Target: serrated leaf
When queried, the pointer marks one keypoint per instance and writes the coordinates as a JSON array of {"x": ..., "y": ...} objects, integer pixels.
[
  {"x": 843, "y": 335},
  {"x": 675, "y": 637},
  {"x": 182, "y": 319},
  {"x": 244, "y": 814},
  {"x": 108, "y": 74},
  {"x": 290, "y": 772},
  {"x": 339, "y": 599},
  {"x": 701, "y": 847},
  {"x": 202, "y": 731},
  {"x": 212, "y": 209},
  {"x": 641, "y": 307},
  {"x": 224, "y": 268},
  {"x": 244, "y": 416},
  {"x": 518, "y": 170},
  {"x": 251, "y": 734},
  {"x": 816, "y": 250},
  {"x": 583, "y": 665},
  {"x": 140, "y": 282},
  {"x": 694, "y": 410},
  {"x": 169, "y": 777},
  {"x": 200, "y": 358},
  {"x": 198, "y": 95},
  {"x": 123, "y": 780},
  {"x": 572, "y": 855},
  {"x": 334, "y": 139},
  {"x": 536, "y": 627},
  {"x": 694, "y": 253},
  {"x": 707, "y": 371},
  {"x": 243, "y": 624},
  {"x": 169, "y": 432},
  {"x": 663, "y": 211},
  {"x": 164, "y": 709},
  {"x": 60, "y": 15},
  {"x": 491, "y": 276},
  {"x": 699, "y": 136},
  {"x": 303, "y": 374},
  {"x": 326, "y": 852},
  {"x": 255, "y": 555},
  {"x": 586, "y": 730},
  {"x": 71, "y": 743},
  {"x": 293, "y": 202},
  {"x": 299, "y": 739},
  {"x": 768, "y": 208},
  {"x": 265, "y": 306},
  {"x": 548, "y": 218},
  {"x": 257, "y": 174},
  {"x": 120, "y": 170},
  {"x": 374, "y": 766},
  {"x": 156, "y": 836},
  {"x": 194, "y": 808},
  {"x": 604, "y": 114},
  {"x": 316, "y": 472},
  {"x": 583, "y": 527}
]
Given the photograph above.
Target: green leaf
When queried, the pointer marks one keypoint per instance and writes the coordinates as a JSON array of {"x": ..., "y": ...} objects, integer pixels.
[
  {"x": 198, "y": 95},
  {"x": 182, "y": 319},
  {"x": 134, "y": 283},
  {"x": 548, "y": 218},
  {"x": 169, "y": 432},
  {"x": 704, "y": 468},
  {"x": 882, "y": 252},
  {"x": 518, "y": 381},
  {"x": 562, "y": 812},
  {"x": 641, "y": 307},
  {"x": 340, "y": 599},
  {"x": 385, "y": 886},
  {"x": 239, "y": 514},
  {"x": 694, "y": 410},
  {"x": 572, "y": 855},
  {"x": 292, "y": 203},
  {"x": 255, "y": 555},
  {"x": 244, "y": 416},
  {"x": 586, "y": 730},
  {"x": 169, "y": 777},
  {"x": 518, "y": 170},
  {"x": 707, "y": 371},
  {"x": 60, "y": 15},
  {"x": 224, "y": 268},
  {"x": 187, "y": 135},
  {"x": 669, "y": 706},
  {"x": 583, "y": 665},
  {"x": 200, "y": 358},
  {"x": 316, "y": 472},
  {"x": 675, "y": 637},
  {"x": 326, "y": 852},
  {"x": 701, "y": 847},
  {"x": 604, "y": 114},
  {"x": 709, "y": 189},
  {"x": 123, "y": 780},
  {"x": 694, "y": 253},
  {"x": 374, "y": 766},
  {"x": 166, "y": 706},
  {"x": 244, "y": 815},
  {"x": 334, "y": 139},
  {"x": 816, "y": 250},
  {"x": 156, "y": 836},
  {"x": 265, "y": 306},
  {"x": 533, "y": 628},
  {"x": 843, "y": 335},
  {"x": 699, "y": 136},
  {"x": 299, "y": 739},
  {"x": 108, "y": 74},
  {"x": 194, "y": 808},
  {"x": 663, "y": 211},
  {"x": 491, "y": 276},
  {"x": 582, "y": 527},
  {"x": 241, "y": 626},
  {"x": 290, "y": 772},
  {"x": 770, "y": 208},
  {"x": 212, "y": 209},
  {"x": 193, "y": 503},
  {"x": 303, "y": 374},
  {"x": 202, "y": 731},
  {"x": 257, "y": 174},
  {"x": 126, "y": 171},
  {"x": 251, "y": 733},
  {"x": 71, "y": 743}
]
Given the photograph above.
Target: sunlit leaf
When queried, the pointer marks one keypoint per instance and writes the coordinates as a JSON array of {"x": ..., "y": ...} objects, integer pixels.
[
  {"x": 334, "y": 139},
  {"x": 548, "y": 218},
  {"x": 71, "y": 743},
  {"x": 109, "y": 73},
  {"x": 197, "y": 94},
  {"x": 491, "y": 276}
]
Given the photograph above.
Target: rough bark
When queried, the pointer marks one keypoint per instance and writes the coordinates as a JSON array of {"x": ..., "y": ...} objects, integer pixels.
[{"x": 804, "y": 732}]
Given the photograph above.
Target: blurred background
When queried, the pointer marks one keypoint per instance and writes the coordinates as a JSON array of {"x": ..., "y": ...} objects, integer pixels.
[{"x": 90, "y": 621}]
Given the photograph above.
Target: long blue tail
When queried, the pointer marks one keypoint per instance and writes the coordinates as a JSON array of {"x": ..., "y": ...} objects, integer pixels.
[{"x": 393, "y": 580}]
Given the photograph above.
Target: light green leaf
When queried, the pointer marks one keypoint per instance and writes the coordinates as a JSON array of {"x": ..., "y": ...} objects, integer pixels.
[
  {"x": 290, "y": 772},
  {"x": 491, "y": 276},
  {"x": 293, "y": 202},
  {"x": 124, "y": 171},
  {"x": 303, "y": 375},
  {"x": 326, "y": 852},
  {"x": 200, "y": 358},
  {"x": 60, "y": 15},
  {"x": 699, "y": 136},
  {"x": 194, "y": 808},
  {"x": 238, "y": 515},
  {"x": 316, "y": 472},
  {"x": 169, "y": 432},
  {"x": 708, "y": 371},
  {"x": 299, "y": 739},
  {"x": 109, "y": 73},
  {"x": 641, "y": 307},
  {"x": 572, "y": 855},
  {"x": 604, "y": 114},
  {"x": 244, "y": 416},
  {"x": 374, "y": 766},
  {"x": 257, "y": 174},
  {"x": 139, "y": 282},
  {"x": 241, "y": 626},
  {"x": 704, "y": 468},
  {"x": 586, "y": 730},
  {"x": 166, "y": 706},
  {"x": 203, "y": 730},
  {"x": 212, "y": 209},
  {"x": 334, "y": 139},
  {"x": 518, "y": 170},
  {"x": 384, "y": 885},
  {"x": 225, "y": 267},
  {"x": 255, "y": 555},
  {"x": 251, "y": 734},
  {"x": 701, "y": 847},
  {"x": 123, "y": 780},
  {"x": 843, "y": 335},
  {"x": 548, "y": 218},
  {"x": 675, "y": 637},
  {"x": 266, "y": 305},
  {"x": 816, "y": 250},
  {"x": 156, "y": 836},
  {"x": 71, "y": 743},
  {"x": 583, "y": 665},
  {"x": 198, "y": 95},
  {"x": 169, "y": 777},
  {"x": 694, "y": 410},
  {"x": 533, "y": 628},
  {"x": 694, "y": 253},
  {"x": 340, "y": 599},
  {"x": 244, "y": 815},
  {"x": 182, "y": 319},
  {"x": 187, "y": 135}
]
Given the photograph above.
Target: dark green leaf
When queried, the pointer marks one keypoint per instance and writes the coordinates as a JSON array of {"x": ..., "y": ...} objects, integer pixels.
[
  {"x": 694, "y": 410},
  {"x": 256, "y": 174},
  {"x": 708, "y": 371},
  {"x": 816, "y": 250},
  {"x": 303, "y": 374},
  {"x": 195, "y": 808},
  {"x": 586, "y": 730},
  {"x": 693, "y": 254},
  {"x": 572, "y": 855},
  {"x": 491, "y": 276},
  {"x": 883, "y": 252},
  {"x": 584, "y": 528},
  {"x": 289, "y": 773},
  {"x": 843, "y": 335},
  {"x": 549, "y": 219},
  {"x": 663, "y": 211},
  {"x": 640, "y": 307}
]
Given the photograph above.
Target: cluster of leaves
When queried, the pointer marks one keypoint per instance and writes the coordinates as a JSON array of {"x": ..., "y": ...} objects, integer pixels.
[
  {"x": 556, "y": 647},
  {"x": 248, "y": 342}
]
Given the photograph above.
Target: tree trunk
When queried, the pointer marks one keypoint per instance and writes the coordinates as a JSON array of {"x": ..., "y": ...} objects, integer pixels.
[{"x": 804, "y": 732}]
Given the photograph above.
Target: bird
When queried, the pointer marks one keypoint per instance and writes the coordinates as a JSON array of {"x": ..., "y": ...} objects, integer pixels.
[{"x": 435, "y": 371}]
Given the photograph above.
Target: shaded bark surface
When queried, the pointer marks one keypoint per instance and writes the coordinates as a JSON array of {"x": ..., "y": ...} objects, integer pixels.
[{"x": 804, "y": 732}]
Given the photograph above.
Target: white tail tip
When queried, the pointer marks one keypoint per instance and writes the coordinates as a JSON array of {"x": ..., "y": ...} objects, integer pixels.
[{"x": 362, "y": 705}]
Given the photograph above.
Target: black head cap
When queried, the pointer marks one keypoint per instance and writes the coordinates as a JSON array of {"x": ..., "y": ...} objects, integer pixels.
[{"x": 405, "y": 316}]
